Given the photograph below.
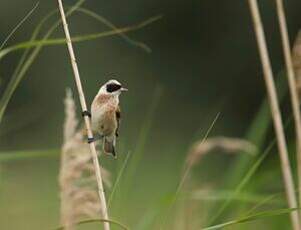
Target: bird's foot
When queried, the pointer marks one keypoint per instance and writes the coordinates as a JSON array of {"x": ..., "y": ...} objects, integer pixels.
[
  {"x": 95, "y": 138},
  {"x": 91, "y": 139},
  {"x": 86, "y": 113}
]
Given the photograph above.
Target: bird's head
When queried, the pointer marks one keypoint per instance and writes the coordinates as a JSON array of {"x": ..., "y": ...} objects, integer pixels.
[{"x": 112, "y": 87}]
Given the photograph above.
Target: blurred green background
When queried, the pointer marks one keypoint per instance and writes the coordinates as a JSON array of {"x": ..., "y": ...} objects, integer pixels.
[{"x": 203, "y": 61}]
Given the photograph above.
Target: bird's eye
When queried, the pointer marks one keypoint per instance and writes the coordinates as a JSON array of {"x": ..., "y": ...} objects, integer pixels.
[{"x": 113, "y": 87}]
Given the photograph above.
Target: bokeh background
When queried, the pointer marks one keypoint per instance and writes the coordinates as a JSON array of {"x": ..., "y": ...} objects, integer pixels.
[{"x": 203, "y": 62}]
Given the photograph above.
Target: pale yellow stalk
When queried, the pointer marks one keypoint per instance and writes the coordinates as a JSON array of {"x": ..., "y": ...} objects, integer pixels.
[
  {"x": 103, "y": 204},
  {"x": 276, "y": 115},
  {"x": 292, "y": 84}
]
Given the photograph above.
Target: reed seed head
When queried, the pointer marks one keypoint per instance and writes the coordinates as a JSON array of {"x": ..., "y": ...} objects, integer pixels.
[{"x": 79, "y": 197}]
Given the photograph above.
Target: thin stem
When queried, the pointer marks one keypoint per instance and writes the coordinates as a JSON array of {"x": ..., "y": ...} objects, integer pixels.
[
  {"x": 185, "y": 175},
  {"x": 27, "y": 60},
  {"x": 118, "y": 178},
  {"x": 292, "y": 84},
  {"x": 18, "y": 26},
  {"x": 101, "y": 193},
  {"x": 276, "y": 115},
  {"x": 81, "y": 38}
]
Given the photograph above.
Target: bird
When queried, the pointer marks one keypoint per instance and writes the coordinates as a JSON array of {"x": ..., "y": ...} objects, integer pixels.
[{"x": 106, "y": 115}]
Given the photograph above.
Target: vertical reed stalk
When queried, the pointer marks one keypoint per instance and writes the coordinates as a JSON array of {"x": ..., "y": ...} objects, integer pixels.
[
  {"x": 273, "y": 101},
  {"x": 101, "y": 193},
  {"x": 292, "y": 85}
]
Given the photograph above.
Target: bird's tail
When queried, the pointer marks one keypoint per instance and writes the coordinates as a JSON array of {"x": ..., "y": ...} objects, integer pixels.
[{"x": 109, "y": 146}]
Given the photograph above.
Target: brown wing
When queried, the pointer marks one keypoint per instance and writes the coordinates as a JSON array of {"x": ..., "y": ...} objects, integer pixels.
[{"x": 118, "y": 116}]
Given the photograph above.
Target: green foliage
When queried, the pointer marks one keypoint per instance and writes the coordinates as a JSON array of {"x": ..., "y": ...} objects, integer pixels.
[
  {"x": 257, "y": 216},
  {"x": 12, "y": 156},
  {"x": 27, "y": 59},
  {"x": 257, "y": 132},
  {"x": 18, "y": 26},
  {"x": 240, "y": 176},
  {"x": 241, "y": 184}
]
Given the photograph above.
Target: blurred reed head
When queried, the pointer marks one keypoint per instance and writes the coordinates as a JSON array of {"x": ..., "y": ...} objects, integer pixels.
[
  {"x": 78, "y": 187},
  {"x": 222, "y": 144}
]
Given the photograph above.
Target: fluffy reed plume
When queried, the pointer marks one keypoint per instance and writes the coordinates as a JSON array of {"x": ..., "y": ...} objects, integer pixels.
[
  {"x": 296, "y": 54},
  {"x": 78, "y": 183},
  {"x": 225, "y": 144}
]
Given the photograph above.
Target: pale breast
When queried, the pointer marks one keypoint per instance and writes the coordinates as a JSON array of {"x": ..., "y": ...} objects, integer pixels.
[
  {"x": 108, "y": 123},
  {"x": 104, "y": 116}
]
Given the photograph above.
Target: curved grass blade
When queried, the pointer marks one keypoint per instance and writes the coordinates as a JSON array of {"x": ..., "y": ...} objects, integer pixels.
[
  {"x": 246, "y": 178},
  {"x": 112, "y": 26},
  {"x": 257, "y": 216},
  {"x": 18, "y": 26},
  {"x": 89, "y": 13},
  {"x": 44, "y": 42},
  {"x": 242, "y": 197},
  {"x": 25, "y": 54},
  {"x": 242, "y": 184},
  {"x": 185, "y": 175},
  {"x": 86, "y": 12},
  {"x": 24, "y": 65},
  {"x": 98, "y": 220},
  {"x": 267, "y": 200},
  {"x": 256, "y": 133},
  {"x": 38, "y": 28},
  {"x": 87, "y": 37},
  {"x": 118, "y": 178}
]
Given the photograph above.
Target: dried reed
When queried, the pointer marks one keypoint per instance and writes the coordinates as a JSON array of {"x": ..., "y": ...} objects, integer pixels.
[
  {"x": 273, "y": 101},
  {"x": 229, "y": 145},
  {"x": 292, "y": 85},
  {"x": 103, "y": 204},
  {"x": 297, "y": 61},
  {"x": 77, "y": 180}
]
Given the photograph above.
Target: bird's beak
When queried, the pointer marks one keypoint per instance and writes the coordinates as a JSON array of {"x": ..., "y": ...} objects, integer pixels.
[{"x": 124, "y": 89}]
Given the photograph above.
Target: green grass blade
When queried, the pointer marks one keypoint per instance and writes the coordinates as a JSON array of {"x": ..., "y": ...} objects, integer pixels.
[
  {"x": 247, "y": 176},
  {"x": 18, "y": 26},
  {"x": 267, "y": 200},
  {"x": 23, "y": 65},
  {"x": 121, "y": 171},
  {"x": 25, "y": 155},
  {"x": 256, "y": 134},
  {"x": 148, "y": 219},
  {"x": 138, "y": 153},
  {"x": 87, "y": 37},
  {"x": 15, "y": 78},
  {"x": 245, "y": 197},
  {"x": 257, "y": 216},
  {"x": 112, "y": 26},
  {"x": 242, "y": 184},
  {"x": 184, "y": 176},
  {"x": 38, "y": 44}
]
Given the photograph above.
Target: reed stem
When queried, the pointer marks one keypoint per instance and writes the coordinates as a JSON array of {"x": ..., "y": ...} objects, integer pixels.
[
  {"x": 292, "y": 85},
  {"x": 101, "y": 193},
  {"x": 275, "y": 110}
]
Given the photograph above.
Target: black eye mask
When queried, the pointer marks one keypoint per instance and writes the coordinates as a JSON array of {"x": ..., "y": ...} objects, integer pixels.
[{"x": 113, "y": 87}]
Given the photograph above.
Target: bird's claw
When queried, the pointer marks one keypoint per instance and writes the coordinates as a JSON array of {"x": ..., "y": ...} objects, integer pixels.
[
  {"x": 86, "y": 113},
  {"x": 90, "y": 140}
]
